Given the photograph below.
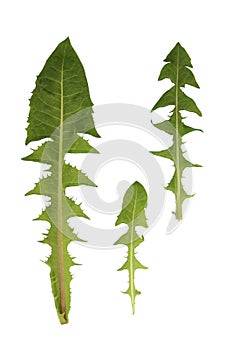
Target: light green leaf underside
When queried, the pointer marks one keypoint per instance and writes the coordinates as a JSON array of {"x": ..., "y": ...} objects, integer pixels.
[
  {"x": 180, "y": 75},
  {"x": 133, "y": 215},
  {"x": 60, "y": 108}
]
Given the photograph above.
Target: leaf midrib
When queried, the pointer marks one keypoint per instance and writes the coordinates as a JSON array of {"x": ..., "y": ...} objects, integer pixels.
[
  {"x": 132, "y": 255},
  {"x": 60, "y": 195},
  {"x": 178, "y": 213}
]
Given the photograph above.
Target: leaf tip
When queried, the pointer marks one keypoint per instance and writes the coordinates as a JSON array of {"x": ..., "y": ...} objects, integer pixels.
[
  {"x": 67, "y": 40},
  {"x": 27, "y": 141}
]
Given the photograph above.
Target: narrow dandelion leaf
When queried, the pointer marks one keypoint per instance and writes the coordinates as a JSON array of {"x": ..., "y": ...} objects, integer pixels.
[
  {"x": 60, "y": 109},
  {"x": 177, "y": 69},
  {"x": 133, "y": 215}
]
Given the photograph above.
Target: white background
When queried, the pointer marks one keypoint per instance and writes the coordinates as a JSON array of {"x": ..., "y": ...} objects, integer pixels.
[{"x": 187, "y": 293}]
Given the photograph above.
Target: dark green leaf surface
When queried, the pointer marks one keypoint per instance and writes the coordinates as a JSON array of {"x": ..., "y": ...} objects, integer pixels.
[
  {"x": 178, "y": 71},
  {"x": 60, "y": 107},
  {"x": 133, "y": 215}
]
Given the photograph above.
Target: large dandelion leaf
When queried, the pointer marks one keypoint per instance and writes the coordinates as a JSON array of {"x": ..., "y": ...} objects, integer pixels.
[{"x": 60, "y": 108}]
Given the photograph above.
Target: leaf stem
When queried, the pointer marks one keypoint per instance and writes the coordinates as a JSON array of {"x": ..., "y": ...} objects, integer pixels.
[
  {"x": 131, "y": 272},
  {"x": 131, "y": 257},
  {"x": 177, "y": 146},
  {"x": 62, "y": 294}
]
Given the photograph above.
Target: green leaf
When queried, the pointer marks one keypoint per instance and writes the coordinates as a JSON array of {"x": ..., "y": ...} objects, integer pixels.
[
  {"x": 178, "y": 71},
  {"x": 60, "y": 108},
  {"x": 133, "y": 215}
]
